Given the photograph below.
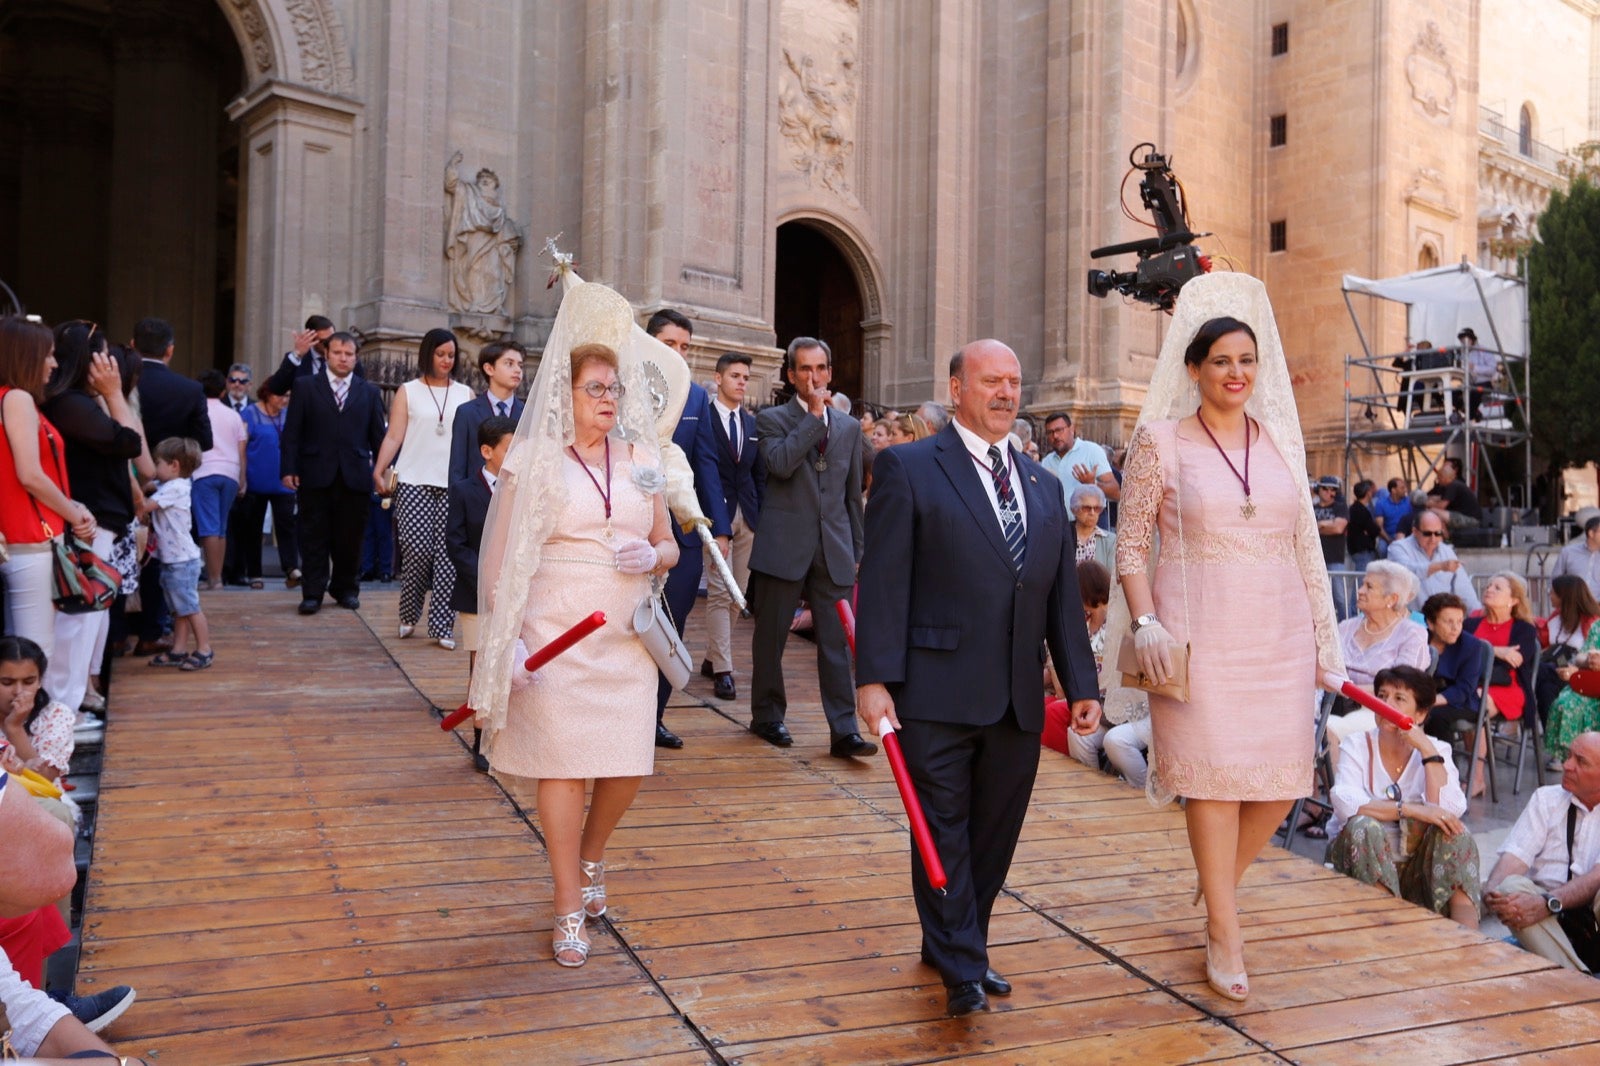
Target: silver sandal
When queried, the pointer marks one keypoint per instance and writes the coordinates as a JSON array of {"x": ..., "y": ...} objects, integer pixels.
[
  {"x": 566, "y": 938},
  {"x": 595, "y": 890}
]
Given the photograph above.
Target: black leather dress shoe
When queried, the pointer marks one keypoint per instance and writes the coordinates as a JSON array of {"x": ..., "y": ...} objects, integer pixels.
[
  {"x": 350, "y": 603},
  {"x": 775, "y": 733},
  {"x": 994, "y": 984},
  {"x": 666, "y": 738},
  {"x": 965, "y": 998},
  {"x": 705, "y": 668},
  {"x": 310, "y": 606},
  {"x": 724, "y": 689},
  {"x": 850, "y": 745}
]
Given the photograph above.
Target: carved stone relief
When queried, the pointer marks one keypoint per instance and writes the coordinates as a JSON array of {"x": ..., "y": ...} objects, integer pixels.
[
  {"x": 256, "y": 45},
  {"x": 1428, "y": 71},
  {"x": 318, "y": 39},
  {"x": 819, "y": 91}
]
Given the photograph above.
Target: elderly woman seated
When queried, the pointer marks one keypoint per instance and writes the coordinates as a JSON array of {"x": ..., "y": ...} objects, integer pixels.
[
  {"x": 1086, "y": 502},
  {"x": 1380, "y": 634},
  {"x": 1397, "y": 807}
]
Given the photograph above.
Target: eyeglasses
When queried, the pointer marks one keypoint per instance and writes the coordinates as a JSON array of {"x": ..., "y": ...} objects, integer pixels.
[
  {"x": 595, "y": 390},
  {"x": 238, "y": 381},
  {"x": 1430, "y": 533}
]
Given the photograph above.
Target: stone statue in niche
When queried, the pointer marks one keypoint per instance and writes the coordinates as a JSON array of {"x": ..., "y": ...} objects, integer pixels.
[{"x": 481, "y": 243}]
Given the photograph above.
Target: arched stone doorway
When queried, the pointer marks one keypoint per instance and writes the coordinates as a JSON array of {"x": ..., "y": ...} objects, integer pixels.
[
  {"x": 817, "y": 295},
  {"x": 185, "y": 158},
  {"x": 121, "y": 175}
]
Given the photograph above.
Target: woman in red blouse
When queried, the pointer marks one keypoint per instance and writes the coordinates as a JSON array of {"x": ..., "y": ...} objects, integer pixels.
[
  {"x": 34, "y": 504},
  {"x": 1507, "y": 626}
]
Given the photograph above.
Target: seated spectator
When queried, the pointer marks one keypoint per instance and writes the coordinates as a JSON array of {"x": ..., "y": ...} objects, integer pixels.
[
  {"x": 1458, "y": 661},
  {"x": 1380, "y": 634},
  {"x": 1507, "y": 626},
  {"x": 1543, "y": 885},
  {"x": 1434, "y": 562},
  {"x": 1388, "y": 508},
  {"x": 1453, "y": 499},
  {"x": 38, "y": 731},
  {"x": 1581, "y": 557},
  {"x": 1094, "y": 589},
  {"x": 43, "y": 1031},
  {"x": 1564, "y": 635},
  {"x": 1572, "y": 714},
  {"x": 1087, "y": 503},
  {"x": 1397, "y": 807}
]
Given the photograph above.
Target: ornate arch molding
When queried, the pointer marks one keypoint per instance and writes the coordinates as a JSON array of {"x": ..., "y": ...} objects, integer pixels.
[
  {"x": 295, "y": 41},
  {"x": 854, "y": 247}
]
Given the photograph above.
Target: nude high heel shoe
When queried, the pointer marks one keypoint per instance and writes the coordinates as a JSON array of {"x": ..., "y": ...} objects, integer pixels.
[{"x": 1234, "y": 986}]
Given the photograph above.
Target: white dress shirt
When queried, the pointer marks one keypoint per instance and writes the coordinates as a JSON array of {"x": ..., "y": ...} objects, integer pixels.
[
  {"x": 1360, "y": 779},
  {"x": 1540, "y": 838},
  {"x": 978, "y": 448}
]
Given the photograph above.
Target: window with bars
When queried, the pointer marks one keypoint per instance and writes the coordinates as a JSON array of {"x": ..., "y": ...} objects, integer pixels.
[
  {"x": 1280, "y": 131},
  {"x": 1278, "y": 236},
  {"x": 1280, "y": 39}
]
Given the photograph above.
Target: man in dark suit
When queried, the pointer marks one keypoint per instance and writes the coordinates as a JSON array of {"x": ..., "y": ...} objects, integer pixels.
[
  {"x": 500, "y": 364},
  {"x": 170, "y": 405},
  {"x": 969, "y": 572},
  {"x": 334, "y": 428},
  {"x": 693, "y": 435},
  {"x": 465, "y": 514},
  {"x": 808, "y": 545},
  {"x": 742, "y": 479},
  {"x": 309, "y": 356}
]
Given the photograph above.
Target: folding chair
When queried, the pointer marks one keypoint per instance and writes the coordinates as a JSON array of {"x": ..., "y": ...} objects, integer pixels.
[
  {"x": 1470, "y": 749},
  {"x": 1532, "y": 728},
  {"x": 1322, "y": 778}
]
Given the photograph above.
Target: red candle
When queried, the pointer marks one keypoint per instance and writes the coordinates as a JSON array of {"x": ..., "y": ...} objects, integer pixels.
[
  {"x": 908, "y": 795},
  {"x": 536, "y": 660},
  {"x": 1376, "y": 706},
  {"x": 847, "y": 619}
]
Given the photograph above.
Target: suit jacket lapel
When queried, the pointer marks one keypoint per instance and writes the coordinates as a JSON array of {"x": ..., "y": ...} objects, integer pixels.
[{"x": 964, "y": 474}]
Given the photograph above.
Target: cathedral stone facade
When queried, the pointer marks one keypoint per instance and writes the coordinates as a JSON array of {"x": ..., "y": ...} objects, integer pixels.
[{"x": 897, "y": 176}]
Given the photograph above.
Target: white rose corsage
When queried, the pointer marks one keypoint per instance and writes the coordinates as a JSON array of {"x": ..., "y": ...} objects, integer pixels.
[{"x": 649, "y": 479}]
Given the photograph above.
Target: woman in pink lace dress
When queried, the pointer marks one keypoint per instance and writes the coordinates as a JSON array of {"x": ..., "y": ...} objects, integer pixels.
[{"x": 1239, "y": 581}]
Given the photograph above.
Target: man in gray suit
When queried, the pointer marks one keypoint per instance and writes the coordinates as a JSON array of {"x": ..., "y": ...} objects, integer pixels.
[{"x": 808, "y": 545}]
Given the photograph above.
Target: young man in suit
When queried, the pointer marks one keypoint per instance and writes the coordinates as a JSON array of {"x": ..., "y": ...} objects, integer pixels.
[
  {"x": 501, "y": 365},
  {"x": 308, "y": 356},
  {"x": 693, "y": 435},
  {"x": 465, "y": 514},
  {"x": 808, "y": 546},
  {"x": 333, "y": 430},
  {"x": 969, "y": 572},
  {"x": 742, "y": 480}
]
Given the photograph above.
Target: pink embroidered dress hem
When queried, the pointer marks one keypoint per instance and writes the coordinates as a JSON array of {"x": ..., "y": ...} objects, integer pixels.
[{"x": 1234, "y": 589}]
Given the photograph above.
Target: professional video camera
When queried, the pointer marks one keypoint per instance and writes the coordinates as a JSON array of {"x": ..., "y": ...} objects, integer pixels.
[{"x": 1166, "y": 261}]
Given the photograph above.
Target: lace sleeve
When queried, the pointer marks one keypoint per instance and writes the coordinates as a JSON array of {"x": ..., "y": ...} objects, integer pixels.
[
  {"x": 1142, "y": 489},
  {"x": 1314, "y": 572}
]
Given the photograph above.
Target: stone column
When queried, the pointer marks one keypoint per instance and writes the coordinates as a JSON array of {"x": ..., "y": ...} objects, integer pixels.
[{"x": 296, "y": 215}]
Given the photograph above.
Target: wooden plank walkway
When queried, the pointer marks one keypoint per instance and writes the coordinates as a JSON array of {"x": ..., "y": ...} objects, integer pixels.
[{"x": 294, "y": 865}]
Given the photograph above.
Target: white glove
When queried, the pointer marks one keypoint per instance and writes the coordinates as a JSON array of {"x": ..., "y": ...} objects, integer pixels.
[
  {"x": 1152, "y": 644},
  {"x": 637, "y": 557},
  {"x": 521, "y": 677}
]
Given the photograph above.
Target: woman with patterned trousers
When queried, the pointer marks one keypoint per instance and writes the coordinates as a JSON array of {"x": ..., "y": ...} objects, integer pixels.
[{"x": 420, "y": 421}]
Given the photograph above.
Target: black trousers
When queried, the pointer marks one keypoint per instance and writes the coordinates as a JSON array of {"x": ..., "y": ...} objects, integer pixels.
[
  {"x": 773, "y": 602},
  {"x": 332, "y": 523},
  {"x": 244, "y": 533},
  {"x": 682, "y": 589},
  {"x": 974, "y": 783}
]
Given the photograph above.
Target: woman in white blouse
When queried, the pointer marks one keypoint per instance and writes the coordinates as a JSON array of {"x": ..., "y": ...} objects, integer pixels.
[
  {"x": 420, "y": 421},
  {"x": 1397, "y": 807}
]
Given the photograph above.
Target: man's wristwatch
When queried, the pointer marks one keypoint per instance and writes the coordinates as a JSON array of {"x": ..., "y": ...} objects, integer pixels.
[
  {"x": 1142, "y": 621},
  {"x": 1552, "y": 904}
]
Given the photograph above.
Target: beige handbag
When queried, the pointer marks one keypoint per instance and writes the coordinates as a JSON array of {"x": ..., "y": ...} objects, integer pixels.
[
  {"x": 1177, "y": 685},
  {"x": 653, "y": 622}
]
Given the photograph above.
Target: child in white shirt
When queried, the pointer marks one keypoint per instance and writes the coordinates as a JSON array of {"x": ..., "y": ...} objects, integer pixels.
[{"x": 169, "y": 511}]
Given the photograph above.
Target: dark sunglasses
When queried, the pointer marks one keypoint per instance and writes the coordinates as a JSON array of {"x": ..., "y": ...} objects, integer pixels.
[
  {"x": 1430, "y": 533},
  {"x": 238, "y": 381}
]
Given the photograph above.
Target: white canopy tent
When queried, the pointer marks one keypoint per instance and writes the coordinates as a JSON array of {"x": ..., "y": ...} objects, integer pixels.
[{"x": 1445, "y": 300}]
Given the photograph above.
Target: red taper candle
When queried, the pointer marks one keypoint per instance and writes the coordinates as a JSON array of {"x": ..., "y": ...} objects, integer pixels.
[
  {"x": 920, "y": 833},
  {"x": 535, "y": 661},
  {"x": 1376, "y": 706}
]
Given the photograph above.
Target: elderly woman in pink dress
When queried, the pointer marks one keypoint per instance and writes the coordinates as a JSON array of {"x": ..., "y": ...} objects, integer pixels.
[{"x": 1217, "y": 467}]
